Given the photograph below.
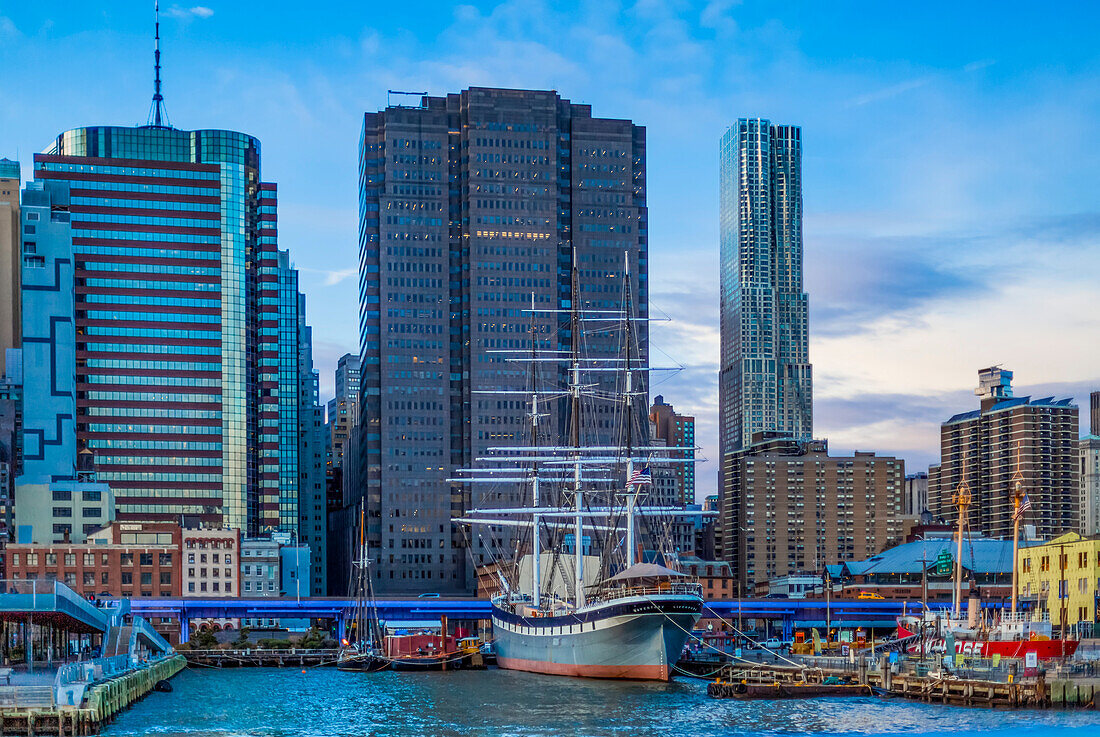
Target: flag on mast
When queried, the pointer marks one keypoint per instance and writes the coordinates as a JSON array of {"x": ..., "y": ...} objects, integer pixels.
[
  {"x": 1025, "y": 505},
  {"x": 640, "y": 477}
]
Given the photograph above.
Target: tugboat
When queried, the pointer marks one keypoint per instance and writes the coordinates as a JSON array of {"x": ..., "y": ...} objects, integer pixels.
[
  {"x": 1016, "y": 635},
  {"x": 631, "y": 624},
  {"x": 361, "y": 649},
  {"x": 425, "y": 650}
]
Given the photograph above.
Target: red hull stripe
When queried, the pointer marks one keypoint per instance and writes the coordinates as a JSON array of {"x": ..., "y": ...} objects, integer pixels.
[{"x": 631, "y": 672}]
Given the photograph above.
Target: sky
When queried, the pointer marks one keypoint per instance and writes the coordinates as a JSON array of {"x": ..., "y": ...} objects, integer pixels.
[{"x": 952, "y": 213}]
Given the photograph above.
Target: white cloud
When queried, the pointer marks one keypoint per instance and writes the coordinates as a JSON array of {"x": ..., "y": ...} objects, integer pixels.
[{"x": 197, "y": 11}]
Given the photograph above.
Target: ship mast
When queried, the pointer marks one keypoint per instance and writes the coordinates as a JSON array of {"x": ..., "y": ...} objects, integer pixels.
[
  {"x": 962, "y": 501},
  {"x": 1017, "y": 499},
  {"x": 575, "y": 430},
  {"x": 628, "y": 399},
  {"x": 536, "y": 563}
]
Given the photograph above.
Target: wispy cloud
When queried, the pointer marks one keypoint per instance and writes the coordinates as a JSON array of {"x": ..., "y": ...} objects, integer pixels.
[
  {"x": 331, "y": 277},
  {"x": 892, "y": 91},
  {"x": 197, "y": 11}
]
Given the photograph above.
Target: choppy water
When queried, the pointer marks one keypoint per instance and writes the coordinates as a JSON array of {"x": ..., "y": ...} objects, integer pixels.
[{"x": 266, "y": 702}]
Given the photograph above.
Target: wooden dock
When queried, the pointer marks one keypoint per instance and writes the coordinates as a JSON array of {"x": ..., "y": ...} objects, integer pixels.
[
  {"x": 102, "y": 703},
  {"x": 261, "y": 658},
  {"x": 937, "y": 688}
]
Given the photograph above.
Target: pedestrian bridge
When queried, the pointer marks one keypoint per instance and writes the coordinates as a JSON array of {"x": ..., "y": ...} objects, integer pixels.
[{"x": 782, "y": 614}]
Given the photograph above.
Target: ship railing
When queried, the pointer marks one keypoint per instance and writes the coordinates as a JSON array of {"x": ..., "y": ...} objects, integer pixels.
[{"x": 671, "y": 589}]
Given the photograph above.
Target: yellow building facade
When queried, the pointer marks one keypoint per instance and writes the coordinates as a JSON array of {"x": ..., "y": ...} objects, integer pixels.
[{"x": 1061, "y": 578}]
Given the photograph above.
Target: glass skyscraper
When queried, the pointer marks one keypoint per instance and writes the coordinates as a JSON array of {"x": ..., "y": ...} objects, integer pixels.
[
  {"x": 473, "y": 206},
  {"x": 187, "y": 326},
  {"x": 765, "y": 380}
]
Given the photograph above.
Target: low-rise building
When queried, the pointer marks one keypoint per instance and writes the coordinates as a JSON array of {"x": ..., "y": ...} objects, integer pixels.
[
  {"x": 796, "y": 586},
  {"x": 904, "y": 572},
  {"x": 122, "y": 560},
  {"x": 1060, "y": 580}
]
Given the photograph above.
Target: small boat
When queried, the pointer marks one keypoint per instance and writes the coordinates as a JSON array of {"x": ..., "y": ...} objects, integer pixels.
[
  {"x": 360, "y": 650},
  {"x": 427, "y": 650},
  {"x": 785, "y": 690}
]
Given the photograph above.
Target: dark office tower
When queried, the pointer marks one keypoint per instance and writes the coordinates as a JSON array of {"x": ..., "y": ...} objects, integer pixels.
[
  {"x": 765, "y": 382},
  {"x": 177, "y": 320},
  {"x": 1094, "y": 413},
  {"x": 473, "y": 206}
]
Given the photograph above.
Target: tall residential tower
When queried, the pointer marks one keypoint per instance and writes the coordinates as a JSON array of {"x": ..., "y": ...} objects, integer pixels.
[
  {"x": 475, "y": 207},
  {"x": 765, "y": 381}
]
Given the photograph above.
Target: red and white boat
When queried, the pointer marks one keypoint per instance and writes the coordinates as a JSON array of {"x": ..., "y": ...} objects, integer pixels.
[{"x": 1013, "y": 637}]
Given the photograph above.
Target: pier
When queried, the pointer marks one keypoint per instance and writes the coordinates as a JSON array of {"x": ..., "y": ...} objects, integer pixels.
[
  {"x": 69, "y": 666},
  {"x": 981, "y": 686},
  {"x": 262, "y": 658}
]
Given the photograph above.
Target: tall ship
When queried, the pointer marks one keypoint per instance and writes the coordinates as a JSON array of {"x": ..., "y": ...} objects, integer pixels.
[
  {"x": 575, "y": 598},
  {"x": 1016, "y": 634},
  {"x": 361, "y": 646}
]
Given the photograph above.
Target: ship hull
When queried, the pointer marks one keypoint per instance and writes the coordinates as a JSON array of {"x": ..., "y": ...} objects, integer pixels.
[{"x": 638, "y": 638}]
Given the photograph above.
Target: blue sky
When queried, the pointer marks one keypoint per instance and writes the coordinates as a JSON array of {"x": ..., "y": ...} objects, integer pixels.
[{"x": 952, "y": 216}]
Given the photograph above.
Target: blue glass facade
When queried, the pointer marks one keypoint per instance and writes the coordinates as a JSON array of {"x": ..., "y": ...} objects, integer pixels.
[
  {"x": 180, "y": 388},
  {"x": 765, "y": 381}
]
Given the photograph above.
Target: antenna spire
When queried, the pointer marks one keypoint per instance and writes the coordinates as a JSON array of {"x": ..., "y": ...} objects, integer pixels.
[{"x": 157, "y": 116}]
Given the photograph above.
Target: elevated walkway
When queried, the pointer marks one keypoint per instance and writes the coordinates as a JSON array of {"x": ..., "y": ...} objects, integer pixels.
[{"x": 49, "y": 603}]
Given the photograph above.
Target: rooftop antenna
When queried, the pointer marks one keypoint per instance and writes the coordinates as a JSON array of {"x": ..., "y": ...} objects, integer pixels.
[{"x": 157, "y": 116}]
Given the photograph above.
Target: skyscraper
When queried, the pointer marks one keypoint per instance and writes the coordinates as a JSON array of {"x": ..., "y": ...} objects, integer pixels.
[
  {"x": 473, "y": 208},
  {"x": 10, "y": 258},
  {"x": 679, "y": 431},
  {"x": 985, "y": 448},
  {"x": 765, "y": 380}
]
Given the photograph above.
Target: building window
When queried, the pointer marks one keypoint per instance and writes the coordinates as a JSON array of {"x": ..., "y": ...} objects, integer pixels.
[
  {"x": 89, "y": 578},
  {"x": 51, "y": 560},
  {"x": 191, "y": 587},
  {"x": 90, "y": 528},
  {"x": 216, "y": 586},
  {"x": 146, "y": 578},
  {"x": 92, "y": 496},
  {"x": 60, "y": 495},
  {"x": 202, "y": 586},
  {"x": 70, "y": 559},
  {"x": 166, "y": 577},
  {"x": 89, "y": 559},
  {"x": 146, "y": 559},
  {"x": 166, "y": 559},
  {"x": 91, "y": 512},
  {"x": 62, "y": 529},
  {"x": 62, "y": 512},
  {"x": 127, "y": 578},
  {"x": 105, "y": 578}
]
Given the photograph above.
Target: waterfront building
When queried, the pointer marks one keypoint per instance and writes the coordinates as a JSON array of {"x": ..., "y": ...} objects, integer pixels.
[
  {"x": 1060, "y": 579},
  {"x": 789, "y": 507},
  {"x": 675, "y": 430},
  {"x": 1088, "y": 452},
  {"x": 793, "y": 586},
  {"x": 260, "y": 575},
  {"x": 906, "y": 571},
  {"x": 122, "y": 560},
  {"x": 11, "y": 260},
  {"x": 715, "y": 576},
  {"x": 475, "y": 207},
  {"x": 212, "y": 566},
  {"x": 914, "y": 500},
  {"x": 54, "y": 474},
  {"x": 765, "y": 378},
  {"x": 986, "y": 448}
]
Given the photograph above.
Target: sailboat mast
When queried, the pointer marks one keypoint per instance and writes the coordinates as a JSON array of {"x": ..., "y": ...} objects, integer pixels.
[
  {"x": 962, "y": 500},
  {"x": 575, "y": 431},
  {"x": 628, "y": 399},
  {"x": 536, "y": 563}
]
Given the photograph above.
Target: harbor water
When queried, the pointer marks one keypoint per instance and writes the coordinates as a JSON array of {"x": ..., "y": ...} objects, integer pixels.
[{"x": 262, "y": 702}]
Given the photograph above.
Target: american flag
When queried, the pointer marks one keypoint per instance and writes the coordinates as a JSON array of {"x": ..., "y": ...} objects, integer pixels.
[
  {"x": 1025, "y": 505},
  {"x": 641, "y": 476}
]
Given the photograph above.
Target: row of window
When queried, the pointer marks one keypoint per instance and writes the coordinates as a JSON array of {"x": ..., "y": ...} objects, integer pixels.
[{"x": 89, "y": 559}]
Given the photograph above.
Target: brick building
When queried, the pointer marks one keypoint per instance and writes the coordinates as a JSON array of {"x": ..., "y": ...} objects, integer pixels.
[
  {"x": 788, "y": 506},
  {"x": 121, "y": 560}
]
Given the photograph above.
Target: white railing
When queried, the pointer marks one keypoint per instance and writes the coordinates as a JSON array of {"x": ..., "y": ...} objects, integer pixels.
[{"x": 672, "y": 589}]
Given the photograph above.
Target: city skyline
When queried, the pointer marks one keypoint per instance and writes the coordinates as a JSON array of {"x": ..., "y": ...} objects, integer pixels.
[{"x": 961, "y": 196}]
